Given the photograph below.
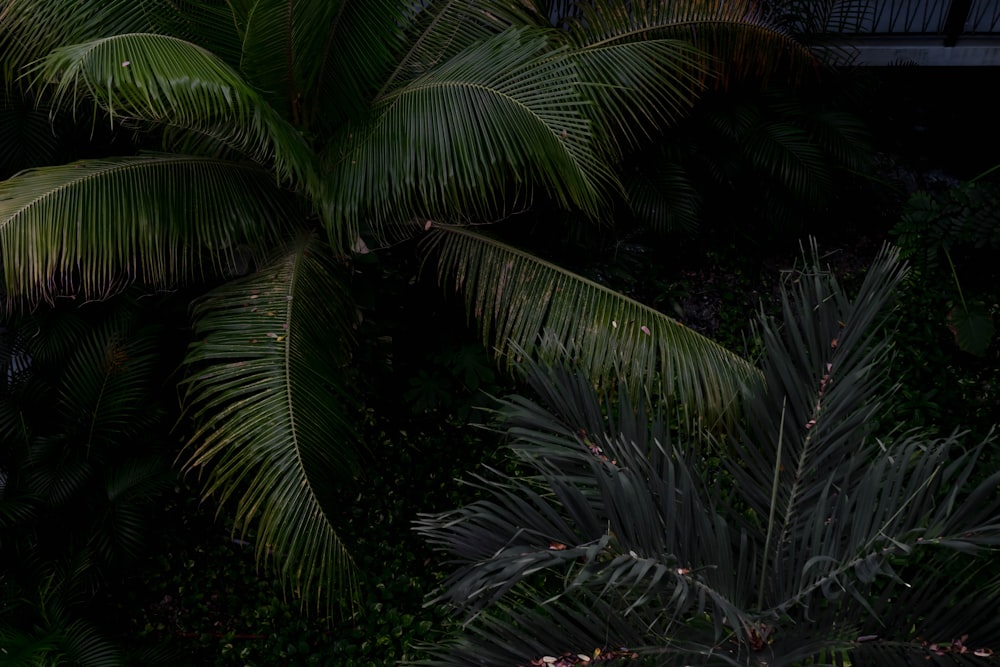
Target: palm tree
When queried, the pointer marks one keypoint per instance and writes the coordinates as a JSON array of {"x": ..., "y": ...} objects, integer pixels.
[
  {"x": 273, "y": 139},
  {"x": 814, "y": 541}
]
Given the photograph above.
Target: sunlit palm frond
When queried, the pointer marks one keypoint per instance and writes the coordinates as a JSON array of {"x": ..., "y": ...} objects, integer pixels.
[
  {"x": 93, "y": 226},
  {"x": 162, "y": 79},
  {"x": 515, "y": 297},
  {"x": 478, "y": 134},
  {"x": 266, "y": 391}
]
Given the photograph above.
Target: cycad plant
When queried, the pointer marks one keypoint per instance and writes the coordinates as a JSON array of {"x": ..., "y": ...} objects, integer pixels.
[
  {"x": 257, "y": 144},
  {"x": 803, "y": 539}
]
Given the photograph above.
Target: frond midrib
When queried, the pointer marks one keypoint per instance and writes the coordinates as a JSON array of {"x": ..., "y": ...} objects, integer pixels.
[{"x": 555, "y": 268}]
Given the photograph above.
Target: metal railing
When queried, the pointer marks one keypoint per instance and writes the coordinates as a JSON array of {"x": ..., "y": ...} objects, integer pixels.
[{"x": 983, "y": 18}]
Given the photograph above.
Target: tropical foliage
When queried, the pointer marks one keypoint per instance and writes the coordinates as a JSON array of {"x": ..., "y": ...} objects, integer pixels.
[
  {"x": 805, "y": 538},
  {"x": 84, "y": 455},
  {"x": 263, "y": 142}
]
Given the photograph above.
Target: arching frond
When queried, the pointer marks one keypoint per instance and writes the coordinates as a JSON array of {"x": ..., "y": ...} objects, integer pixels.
[
  {"x": 737, "y": 36},
  {"x": 439, "y": 31},
  {"x": 163, "y": 79},
  {"x": 92, "y": 226},
  {"x": 515, "y": 297},
  {"x": 343, "y": 52},
  {"x": 30, "y": 29},
  {"x": 266, "y": 391},
  {"x": 639, "y": 87},
  {"x": 472, "y": 137}
]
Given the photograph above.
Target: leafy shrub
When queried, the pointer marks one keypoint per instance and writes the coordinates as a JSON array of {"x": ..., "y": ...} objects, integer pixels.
[{"x": 835, "y": 545}]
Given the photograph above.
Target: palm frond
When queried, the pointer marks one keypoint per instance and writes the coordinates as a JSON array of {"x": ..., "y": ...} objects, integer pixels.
[
  {"x": 738, "y": 38},
  {"x": 30, "y": 29},
  {"x": 662, "y": 193},
  {"x": 93, "y": 226},
  {"x": 274, "y": 424},
  {"x": 639, "y": 87},
  {"x": 121, "y": 532},
  {"x": 441, "y": 30},
  {"x": 515, "y": 297},
  {"x": 844, "y": 137},
  {"x": 343, "y": 52},
  {"x": 472, "y": 138},
  {"x": 86, "y": 645},
  {"x": 162, "y": 79},
  {"x": 103, "y": 395}
]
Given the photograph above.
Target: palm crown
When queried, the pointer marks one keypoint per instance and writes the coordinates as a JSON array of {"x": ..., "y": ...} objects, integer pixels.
[{"x": 286, "y": 131}]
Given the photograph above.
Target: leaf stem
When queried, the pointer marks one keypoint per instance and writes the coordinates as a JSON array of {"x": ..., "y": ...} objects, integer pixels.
[{"x": 774, "y": 500}]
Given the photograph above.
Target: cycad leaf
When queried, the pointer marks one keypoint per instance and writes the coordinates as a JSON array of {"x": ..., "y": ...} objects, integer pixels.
[
  {"x": 515, "y": 297},
  {"x": 644, "y": 532},
  {"x": 162, "y": 79},
  {"x": 473, "y": 138},
  {"x": 274, "y": 432},
  {"x": 95, "y": 225},
  {"x": 586, "y": 631}
]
